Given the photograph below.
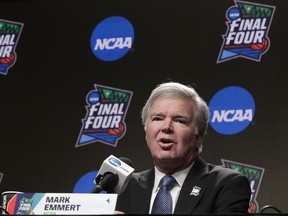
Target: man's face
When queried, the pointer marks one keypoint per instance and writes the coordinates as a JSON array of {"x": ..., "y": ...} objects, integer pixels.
[{"x": 171, "y": 135}]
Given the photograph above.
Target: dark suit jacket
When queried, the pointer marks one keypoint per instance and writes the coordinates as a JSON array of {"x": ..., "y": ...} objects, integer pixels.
[{"x": 207, "y": 189}]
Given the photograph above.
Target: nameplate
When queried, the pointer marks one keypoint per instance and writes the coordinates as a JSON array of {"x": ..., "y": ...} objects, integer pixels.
[{"x": 58, "y": 203}]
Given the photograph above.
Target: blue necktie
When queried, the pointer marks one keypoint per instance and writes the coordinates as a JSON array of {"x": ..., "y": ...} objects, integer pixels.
[{"x": 163, "y": 200}]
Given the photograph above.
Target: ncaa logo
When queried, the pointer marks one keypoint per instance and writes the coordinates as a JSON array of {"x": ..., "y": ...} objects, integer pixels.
[
  {"x": 112, "y": 38},
  {"x": 93, "y": 97},
  {"x": 233, "y": 13},
  {"x": 115, "y": 162},
  {"x": 232, "y": 110}
]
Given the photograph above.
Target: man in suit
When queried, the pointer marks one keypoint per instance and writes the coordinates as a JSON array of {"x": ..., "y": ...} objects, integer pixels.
[{"x": 175, "y": 120}]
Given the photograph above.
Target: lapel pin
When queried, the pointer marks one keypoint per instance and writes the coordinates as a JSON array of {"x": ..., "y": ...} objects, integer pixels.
[{"x": 195, "y": 191}]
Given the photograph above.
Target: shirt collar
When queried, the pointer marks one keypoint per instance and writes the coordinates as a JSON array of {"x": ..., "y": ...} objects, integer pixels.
[{"x": 179, "y": 176}]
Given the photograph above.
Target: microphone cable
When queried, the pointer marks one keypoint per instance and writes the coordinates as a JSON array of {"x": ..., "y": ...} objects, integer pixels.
[{"x": 266, "y": 207}]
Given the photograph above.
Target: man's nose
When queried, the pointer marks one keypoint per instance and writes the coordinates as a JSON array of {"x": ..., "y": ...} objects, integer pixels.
[{"x": 167, "y": 126}]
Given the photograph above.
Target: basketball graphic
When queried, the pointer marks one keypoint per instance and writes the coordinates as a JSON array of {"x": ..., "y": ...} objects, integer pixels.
[
  {"x": 253, "y": 207},
  {"x": 260, "y": 46},
  {"x": 117, "y": 131},
  {"x": 9, "y": 60}
]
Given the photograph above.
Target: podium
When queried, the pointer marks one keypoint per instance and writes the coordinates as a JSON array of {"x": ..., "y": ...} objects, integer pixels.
[{"x": 18, "y": 203}]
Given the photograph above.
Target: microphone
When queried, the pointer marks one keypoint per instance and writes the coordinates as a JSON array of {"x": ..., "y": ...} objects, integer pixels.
[
  {"x": 113, "y": 175},
  {"x": 127, "y": 161}
]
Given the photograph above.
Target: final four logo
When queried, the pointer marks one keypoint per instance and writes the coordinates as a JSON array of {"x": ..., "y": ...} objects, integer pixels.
[
  {"x": 254, "y": 175},
  {"x": 247, "y": 29},
  {"x": 106, "y": 111},
  {"x": 9, "y": 36}
]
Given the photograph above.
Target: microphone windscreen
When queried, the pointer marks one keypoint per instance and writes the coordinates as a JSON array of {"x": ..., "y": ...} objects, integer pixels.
[{"x": 127, "y": 161}]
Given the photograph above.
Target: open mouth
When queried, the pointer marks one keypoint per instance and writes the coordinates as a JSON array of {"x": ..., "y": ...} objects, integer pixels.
[{"x": 166, "y": 143}]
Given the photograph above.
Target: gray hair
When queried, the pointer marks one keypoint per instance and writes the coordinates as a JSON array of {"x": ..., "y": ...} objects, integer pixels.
[{"x": 201, "y": 115}]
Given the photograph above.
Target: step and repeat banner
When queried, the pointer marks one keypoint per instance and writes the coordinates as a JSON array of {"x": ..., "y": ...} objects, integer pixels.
[{"x": 74, "y": 76}]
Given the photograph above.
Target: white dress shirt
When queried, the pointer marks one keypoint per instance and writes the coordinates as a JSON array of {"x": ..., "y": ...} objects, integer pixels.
[{"x": 175, "y": 191}]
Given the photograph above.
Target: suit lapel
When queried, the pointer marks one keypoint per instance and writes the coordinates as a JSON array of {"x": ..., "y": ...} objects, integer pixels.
[
  {"x": 142, "y": 195},
  {"x": 192, "y": 189}
]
